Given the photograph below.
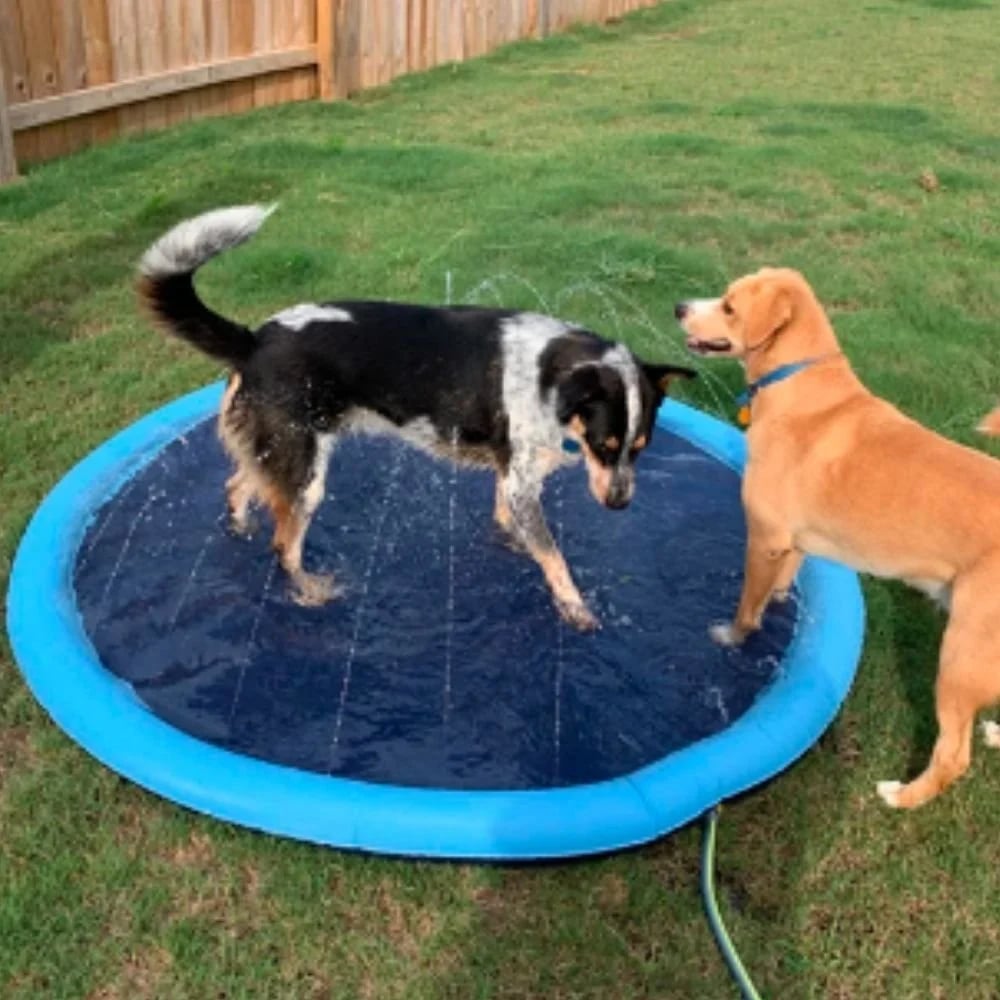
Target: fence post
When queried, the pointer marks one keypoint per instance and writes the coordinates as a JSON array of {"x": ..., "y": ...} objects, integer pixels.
[{"x": 8, "y": 159}]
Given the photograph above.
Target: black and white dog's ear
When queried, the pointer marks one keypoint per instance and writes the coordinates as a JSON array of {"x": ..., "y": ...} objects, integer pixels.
[
  {"x": 660, "y": 376},
  {"x": 578, "y": 391}
]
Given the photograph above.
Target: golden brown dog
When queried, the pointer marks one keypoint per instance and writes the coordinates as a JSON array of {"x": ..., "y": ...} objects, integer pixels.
[{"x": 834, "y": 471}]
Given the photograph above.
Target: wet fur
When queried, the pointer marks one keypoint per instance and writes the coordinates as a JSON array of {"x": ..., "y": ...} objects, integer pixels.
[{"x": 486, "y": 387}]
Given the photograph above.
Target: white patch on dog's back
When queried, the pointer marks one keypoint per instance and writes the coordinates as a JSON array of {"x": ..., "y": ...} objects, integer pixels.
[
  {"x": 531, "y": 418},
  {"x": 300, "y": 316}
]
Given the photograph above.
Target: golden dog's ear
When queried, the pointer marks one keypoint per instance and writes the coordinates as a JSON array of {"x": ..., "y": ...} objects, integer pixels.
[{"x": 770, "y": 314}]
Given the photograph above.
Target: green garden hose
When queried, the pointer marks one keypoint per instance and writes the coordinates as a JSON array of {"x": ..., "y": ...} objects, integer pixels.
[{"x": 719, "y": 932}]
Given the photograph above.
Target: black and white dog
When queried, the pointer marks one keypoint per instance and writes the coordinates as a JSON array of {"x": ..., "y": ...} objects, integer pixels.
[{"x": 489, "y": 387}]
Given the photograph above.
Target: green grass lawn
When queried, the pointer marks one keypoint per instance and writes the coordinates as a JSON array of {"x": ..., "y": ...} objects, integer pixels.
[{"x": 601, "y": 175}]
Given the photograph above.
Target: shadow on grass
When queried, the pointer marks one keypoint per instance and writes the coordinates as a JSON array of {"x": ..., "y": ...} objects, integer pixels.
[{"x": 903, "y": 124}]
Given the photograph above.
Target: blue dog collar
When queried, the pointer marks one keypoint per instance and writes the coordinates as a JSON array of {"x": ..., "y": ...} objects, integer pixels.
[
  {"x": 779, "y": 374},
  {"x": 570, "y": 446}
]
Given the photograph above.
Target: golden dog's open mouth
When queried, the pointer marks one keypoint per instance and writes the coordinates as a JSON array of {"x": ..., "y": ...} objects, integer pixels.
[{"x": 716, "y": 345}]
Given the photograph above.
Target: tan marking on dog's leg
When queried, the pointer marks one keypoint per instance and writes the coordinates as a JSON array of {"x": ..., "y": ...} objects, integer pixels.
[
  {"x": 247, "y": 482},
  {"x": 501, "y": 511},
  {"x": 767, "y": 562},
  {"x": 564, "y": 590},
  {"x": 239, "y": 494},
  {"x": 227, "y": 434},
  {"x": 290, "y": 526},
  {"x": 227, "y": 396},
  {"x": 967, "y": 682}
]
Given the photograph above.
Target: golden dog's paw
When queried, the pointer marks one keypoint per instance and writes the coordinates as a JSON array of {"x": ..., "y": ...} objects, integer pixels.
[
  {"x": 726, "y": 634},
  {"x": 991, "y": 734},
  {"x": 889, "y": 792}
]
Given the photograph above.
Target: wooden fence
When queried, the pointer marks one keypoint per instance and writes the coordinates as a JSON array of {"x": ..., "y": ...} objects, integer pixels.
[{"x": 76, "y": 72}]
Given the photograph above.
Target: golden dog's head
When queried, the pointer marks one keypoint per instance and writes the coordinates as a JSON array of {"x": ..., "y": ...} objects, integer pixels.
[{"x": 750, "y": 316}]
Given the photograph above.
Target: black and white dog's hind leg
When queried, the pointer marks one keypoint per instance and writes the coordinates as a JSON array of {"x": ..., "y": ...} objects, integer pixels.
[
  {"x": 284, "y": 465},
  {"x": 519, "y": 493}
]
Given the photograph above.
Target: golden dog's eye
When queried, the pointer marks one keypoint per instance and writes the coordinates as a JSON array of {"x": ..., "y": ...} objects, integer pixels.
[
  {"x": 639, "y": 443},
  {"x": 612, "y": 443},
  {"x": 726, "y": 307}
]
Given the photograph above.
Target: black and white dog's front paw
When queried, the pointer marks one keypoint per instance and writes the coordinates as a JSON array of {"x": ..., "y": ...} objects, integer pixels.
[{"x": 577, "y": 614}]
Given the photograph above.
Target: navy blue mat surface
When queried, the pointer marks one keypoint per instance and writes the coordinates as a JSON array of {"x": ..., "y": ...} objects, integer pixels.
[{"x": 444, "y": 663}]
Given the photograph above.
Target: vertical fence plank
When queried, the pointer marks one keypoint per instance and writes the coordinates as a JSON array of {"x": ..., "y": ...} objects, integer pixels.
[
  {"x": 400, "y": 37},
  {"x": 414, "y": 35},
  {"x": 13, "y": 64},
  {"x": 441, "y": 17},
  {"x": 150, "y": 26},
  {"x": 98, "y": 59},
  {"x": 216, "y": 99},
  {"x": 383, "y": 40},
  {"x": 37, "y": 25},
  {"x": 347, "y": 47},
  {"x": 370, "y": 49},
  {"x": 71, "y": 59},
  {"x": 242, "y": 15},
  {"x": 8, "y": 158},
  {"x": 12, "y": 56},
  {"x": 40, "y": 49},
  {"x": 470, "y": 28},
  {"x": 125, "y": 58},
  {"x": 456, "y": 40},
  {"x": 305, "y": 82},
  {"x": 282, "y": 30},
  {"x": 326, "y": 49},
  {"x": 543, "y": 17},
  {"x": 194, "y": 51},
  {"x": 265, "y": 88},
  {"x": 428, "y": 45}
]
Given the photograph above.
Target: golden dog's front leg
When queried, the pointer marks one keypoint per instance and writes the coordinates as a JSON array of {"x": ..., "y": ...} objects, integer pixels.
[
  {"x": 786, "y": 578},
  {"x": 771, "y": 564}
]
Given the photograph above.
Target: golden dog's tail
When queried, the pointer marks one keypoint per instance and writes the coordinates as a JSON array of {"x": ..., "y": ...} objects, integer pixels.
[{"x": 990, "y": 424}]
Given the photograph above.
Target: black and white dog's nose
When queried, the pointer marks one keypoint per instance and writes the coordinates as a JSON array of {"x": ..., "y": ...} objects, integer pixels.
[{"x": 681, "y": 310}]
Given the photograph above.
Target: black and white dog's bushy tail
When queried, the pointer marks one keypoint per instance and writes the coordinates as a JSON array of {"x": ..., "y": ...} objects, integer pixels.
[{"x": 166, "y": 280}]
